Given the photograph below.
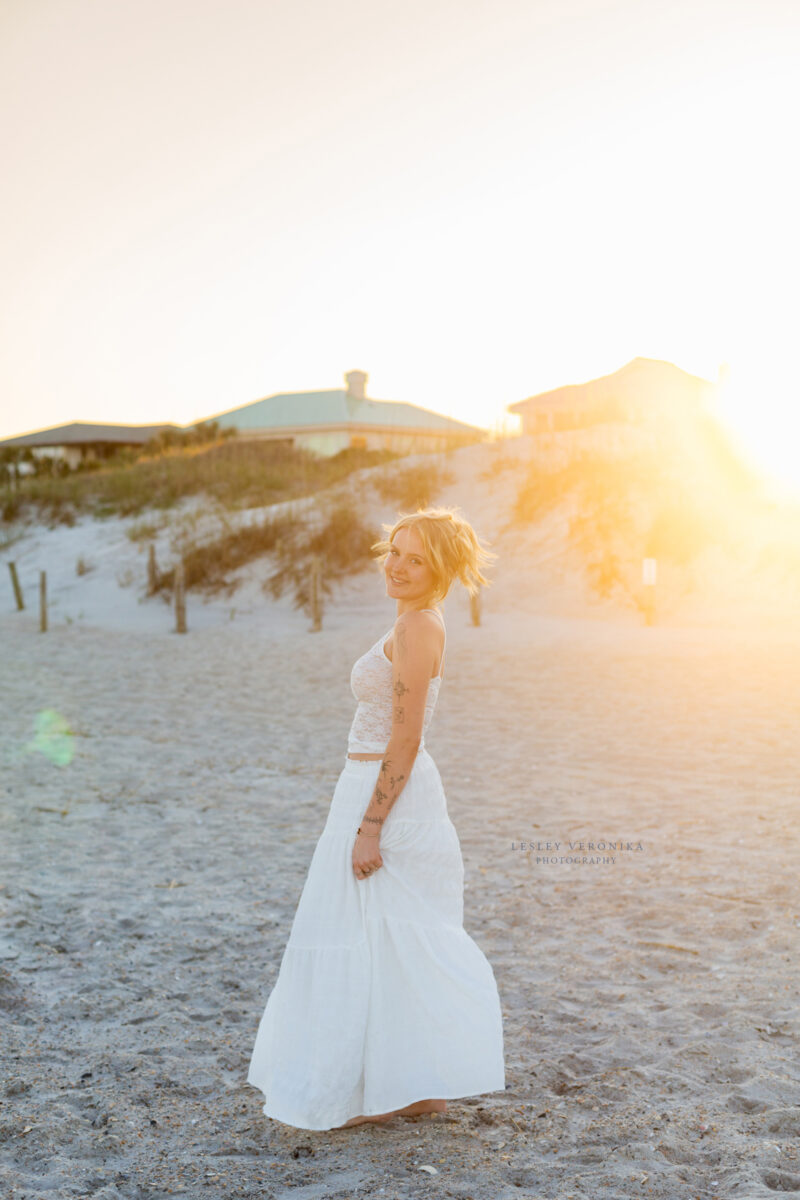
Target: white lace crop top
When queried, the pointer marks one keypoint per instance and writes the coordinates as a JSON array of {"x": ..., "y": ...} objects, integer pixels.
[{"x": 371, "y": 684}]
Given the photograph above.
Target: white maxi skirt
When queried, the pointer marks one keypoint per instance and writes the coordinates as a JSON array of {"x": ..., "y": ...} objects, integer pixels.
[{"x": 382, "y": 998}]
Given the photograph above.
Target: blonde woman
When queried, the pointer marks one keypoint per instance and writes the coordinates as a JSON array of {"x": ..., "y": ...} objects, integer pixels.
[{"x": 384, "y": 1005}]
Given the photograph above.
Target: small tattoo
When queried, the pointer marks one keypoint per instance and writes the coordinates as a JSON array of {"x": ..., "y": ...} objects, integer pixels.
[
  {"x": 379, "y": 795},
  {"x": 400, "y": 715},
  {"x": 400, "y": 688},
  {"x": 399, "y": 779},
  {"x": 373, "y": 820}
]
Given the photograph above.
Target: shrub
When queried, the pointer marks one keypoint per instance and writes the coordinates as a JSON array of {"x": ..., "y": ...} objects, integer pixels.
[
  {"x": 342, "y": 540},
  {"x": 236, "y": 472},
  {"x": 145, "y": 530},
  {"x": 12, "y": 506},
  {"x": 338, "y": 535},
  {"x": 622, "y": 509},
  {"x": 208, "y": 564},
  {"x": 412, "y": 487},
  {"x": 498, "y": 464}
]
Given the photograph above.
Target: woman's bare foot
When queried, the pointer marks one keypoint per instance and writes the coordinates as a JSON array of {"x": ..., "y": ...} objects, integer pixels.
[
  {"x": 421, "y": 1106},
  {"x": 411, "y": 1110},
  {"x": 378, "y": 1119}
]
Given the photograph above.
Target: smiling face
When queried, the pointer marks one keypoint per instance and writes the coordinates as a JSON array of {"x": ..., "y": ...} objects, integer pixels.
[{"x": 409, "y": 576}]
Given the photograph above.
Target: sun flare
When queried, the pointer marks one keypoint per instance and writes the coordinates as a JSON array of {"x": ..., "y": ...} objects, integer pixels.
[{"x": 760, "y": 407}]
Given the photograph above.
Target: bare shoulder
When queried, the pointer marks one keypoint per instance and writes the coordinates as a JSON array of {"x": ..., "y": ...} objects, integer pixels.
[
  {"x": 419, "y": 621},
  {"x": 418, "y": 629}
]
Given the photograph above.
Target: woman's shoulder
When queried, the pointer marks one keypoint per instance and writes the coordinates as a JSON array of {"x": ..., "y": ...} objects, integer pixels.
[
  {"x": 421, "y": 625},
  {"x": 419, "y": 618}
]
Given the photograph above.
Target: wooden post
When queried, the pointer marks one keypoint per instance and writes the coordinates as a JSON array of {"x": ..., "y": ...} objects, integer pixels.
[
  {"x": 180, "y": 599},
  {"x": 475, "y": 608},
  {"x": 43, "y": 602},
  {"x": 152, "y": 571},
  {"x": 15, "y": 584},
  {"x": 314, "y": 594}
]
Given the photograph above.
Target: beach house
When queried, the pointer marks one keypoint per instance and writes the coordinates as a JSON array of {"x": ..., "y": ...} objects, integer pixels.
[
  {"x": 644, "y": 388},
  {"x": 79, "y": 442},
  {"x": 339, "y": 418}
]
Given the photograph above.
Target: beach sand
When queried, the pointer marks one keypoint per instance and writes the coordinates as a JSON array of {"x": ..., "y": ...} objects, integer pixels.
[{"x": 649, "y": 990}]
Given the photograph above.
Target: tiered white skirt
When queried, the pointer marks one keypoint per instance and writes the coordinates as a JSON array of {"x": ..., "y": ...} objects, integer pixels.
[{"x": 382, "y": 998}]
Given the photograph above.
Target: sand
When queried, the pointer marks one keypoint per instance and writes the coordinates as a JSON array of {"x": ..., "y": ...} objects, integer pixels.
[{"x": 649, "y": 989}]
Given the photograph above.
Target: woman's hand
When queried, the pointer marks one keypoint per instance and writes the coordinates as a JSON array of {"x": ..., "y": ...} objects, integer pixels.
[{"x": 366, "y": 855}]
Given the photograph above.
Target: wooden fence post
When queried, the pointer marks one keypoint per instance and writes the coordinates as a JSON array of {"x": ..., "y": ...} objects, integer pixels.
[
  {"x": 314, "y": 594},
  {"x": 475, "y": 608},
  {"x": 152, "y": 571},
  {"x": 43, "y": 602},
  {"x": 15, "y": 584},
  {"x": 180, "y": 599}
]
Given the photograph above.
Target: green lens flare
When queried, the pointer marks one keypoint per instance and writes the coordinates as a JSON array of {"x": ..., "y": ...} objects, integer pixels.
[{"x": 53, "y": 737}]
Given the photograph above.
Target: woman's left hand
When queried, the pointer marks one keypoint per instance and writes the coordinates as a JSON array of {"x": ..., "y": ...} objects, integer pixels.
[{"x": 366, "y": 856}]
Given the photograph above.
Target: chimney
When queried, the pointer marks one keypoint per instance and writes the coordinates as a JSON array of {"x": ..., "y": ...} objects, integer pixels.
[{"x": 356, "y": 384}]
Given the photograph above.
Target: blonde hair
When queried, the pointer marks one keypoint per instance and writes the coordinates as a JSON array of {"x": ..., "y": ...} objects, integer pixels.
[{"x": 451, "y": 547}]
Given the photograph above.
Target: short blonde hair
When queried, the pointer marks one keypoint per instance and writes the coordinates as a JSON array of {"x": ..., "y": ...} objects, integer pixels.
[{"x": 451, "y": 546}]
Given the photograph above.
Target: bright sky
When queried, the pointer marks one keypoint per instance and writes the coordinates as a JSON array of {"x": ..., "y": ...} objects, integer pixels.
[{"x": 208, "y": 201}]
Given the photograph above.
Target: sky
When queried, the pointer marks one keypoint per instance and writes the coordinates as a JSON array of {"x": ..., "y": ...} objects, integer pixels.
[{"x": 473, "y": 201}]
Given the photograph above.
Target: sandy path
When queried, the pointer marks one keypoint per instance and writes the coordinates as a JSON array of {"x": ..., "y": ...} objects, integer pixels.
[{"x": 650, "y": 1003}]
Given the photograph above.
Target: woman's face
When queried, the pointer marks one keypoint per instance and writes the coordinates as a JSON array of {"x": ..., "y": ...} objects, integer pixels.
[{"x": 409, "y": 575}]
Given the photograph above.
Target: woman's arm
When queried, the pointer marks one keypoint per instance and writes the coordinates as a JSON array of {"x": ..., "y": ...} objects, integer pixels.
[{"x": 414, "y": 655}]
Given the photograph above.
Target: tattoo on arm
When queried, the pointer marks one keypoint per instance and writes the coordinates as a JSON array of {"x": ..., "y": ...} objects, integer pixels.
[
  {"x": 400, "y": 689},
  {"x": 394, "y": 785},
  {"x": 399, "y": 715}
]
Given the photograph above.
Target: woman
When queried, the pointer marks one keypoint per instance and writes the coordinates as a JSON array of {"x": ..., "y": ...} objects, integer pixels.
[{"x": 383, "y": 1004}]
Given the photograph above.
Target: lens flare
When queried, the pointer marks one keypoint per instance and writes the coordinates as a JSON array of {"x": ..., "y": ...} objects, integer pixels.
[{"x": 52, "y": 737}]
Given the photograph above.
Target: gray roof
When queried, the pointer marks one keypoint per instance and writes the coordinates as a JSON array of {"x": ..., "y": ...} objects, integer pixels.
[
  {"x": 645, "y": 367},
  {"x": 79, "y": 433},
  {"x": 335, "y": 409}
]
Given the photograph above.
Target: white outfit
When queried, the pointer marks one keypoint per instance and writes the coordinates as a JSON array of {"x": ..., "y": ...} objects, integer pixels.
[{"x": 382, "y": 998}]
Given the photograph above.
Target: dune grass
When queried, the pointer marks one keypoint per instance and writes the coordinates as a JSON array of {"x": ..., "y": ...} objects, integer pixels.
[
  {"x": 342, "y": 541},
  {"x": 338, "y": 534},
  {"x": 236, "y": 473},
  {"x": 412, "y": 487},
  {"x": 333, "y": 528},
  {"x": 622, "y": 510}
]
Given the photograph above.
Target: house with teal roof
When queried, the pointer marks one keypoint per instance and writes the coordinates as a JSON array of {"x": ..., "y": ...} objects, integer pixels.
[{"x": 337, "y": 419}]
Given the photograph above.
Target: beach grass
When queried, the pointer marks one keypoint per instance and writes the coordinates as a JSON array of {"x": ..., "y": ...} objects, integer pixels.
[
  {"x": 333, "y": 530},
  {"x": 234, "y": 472},
  {"x": 621, "y": 509}
]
